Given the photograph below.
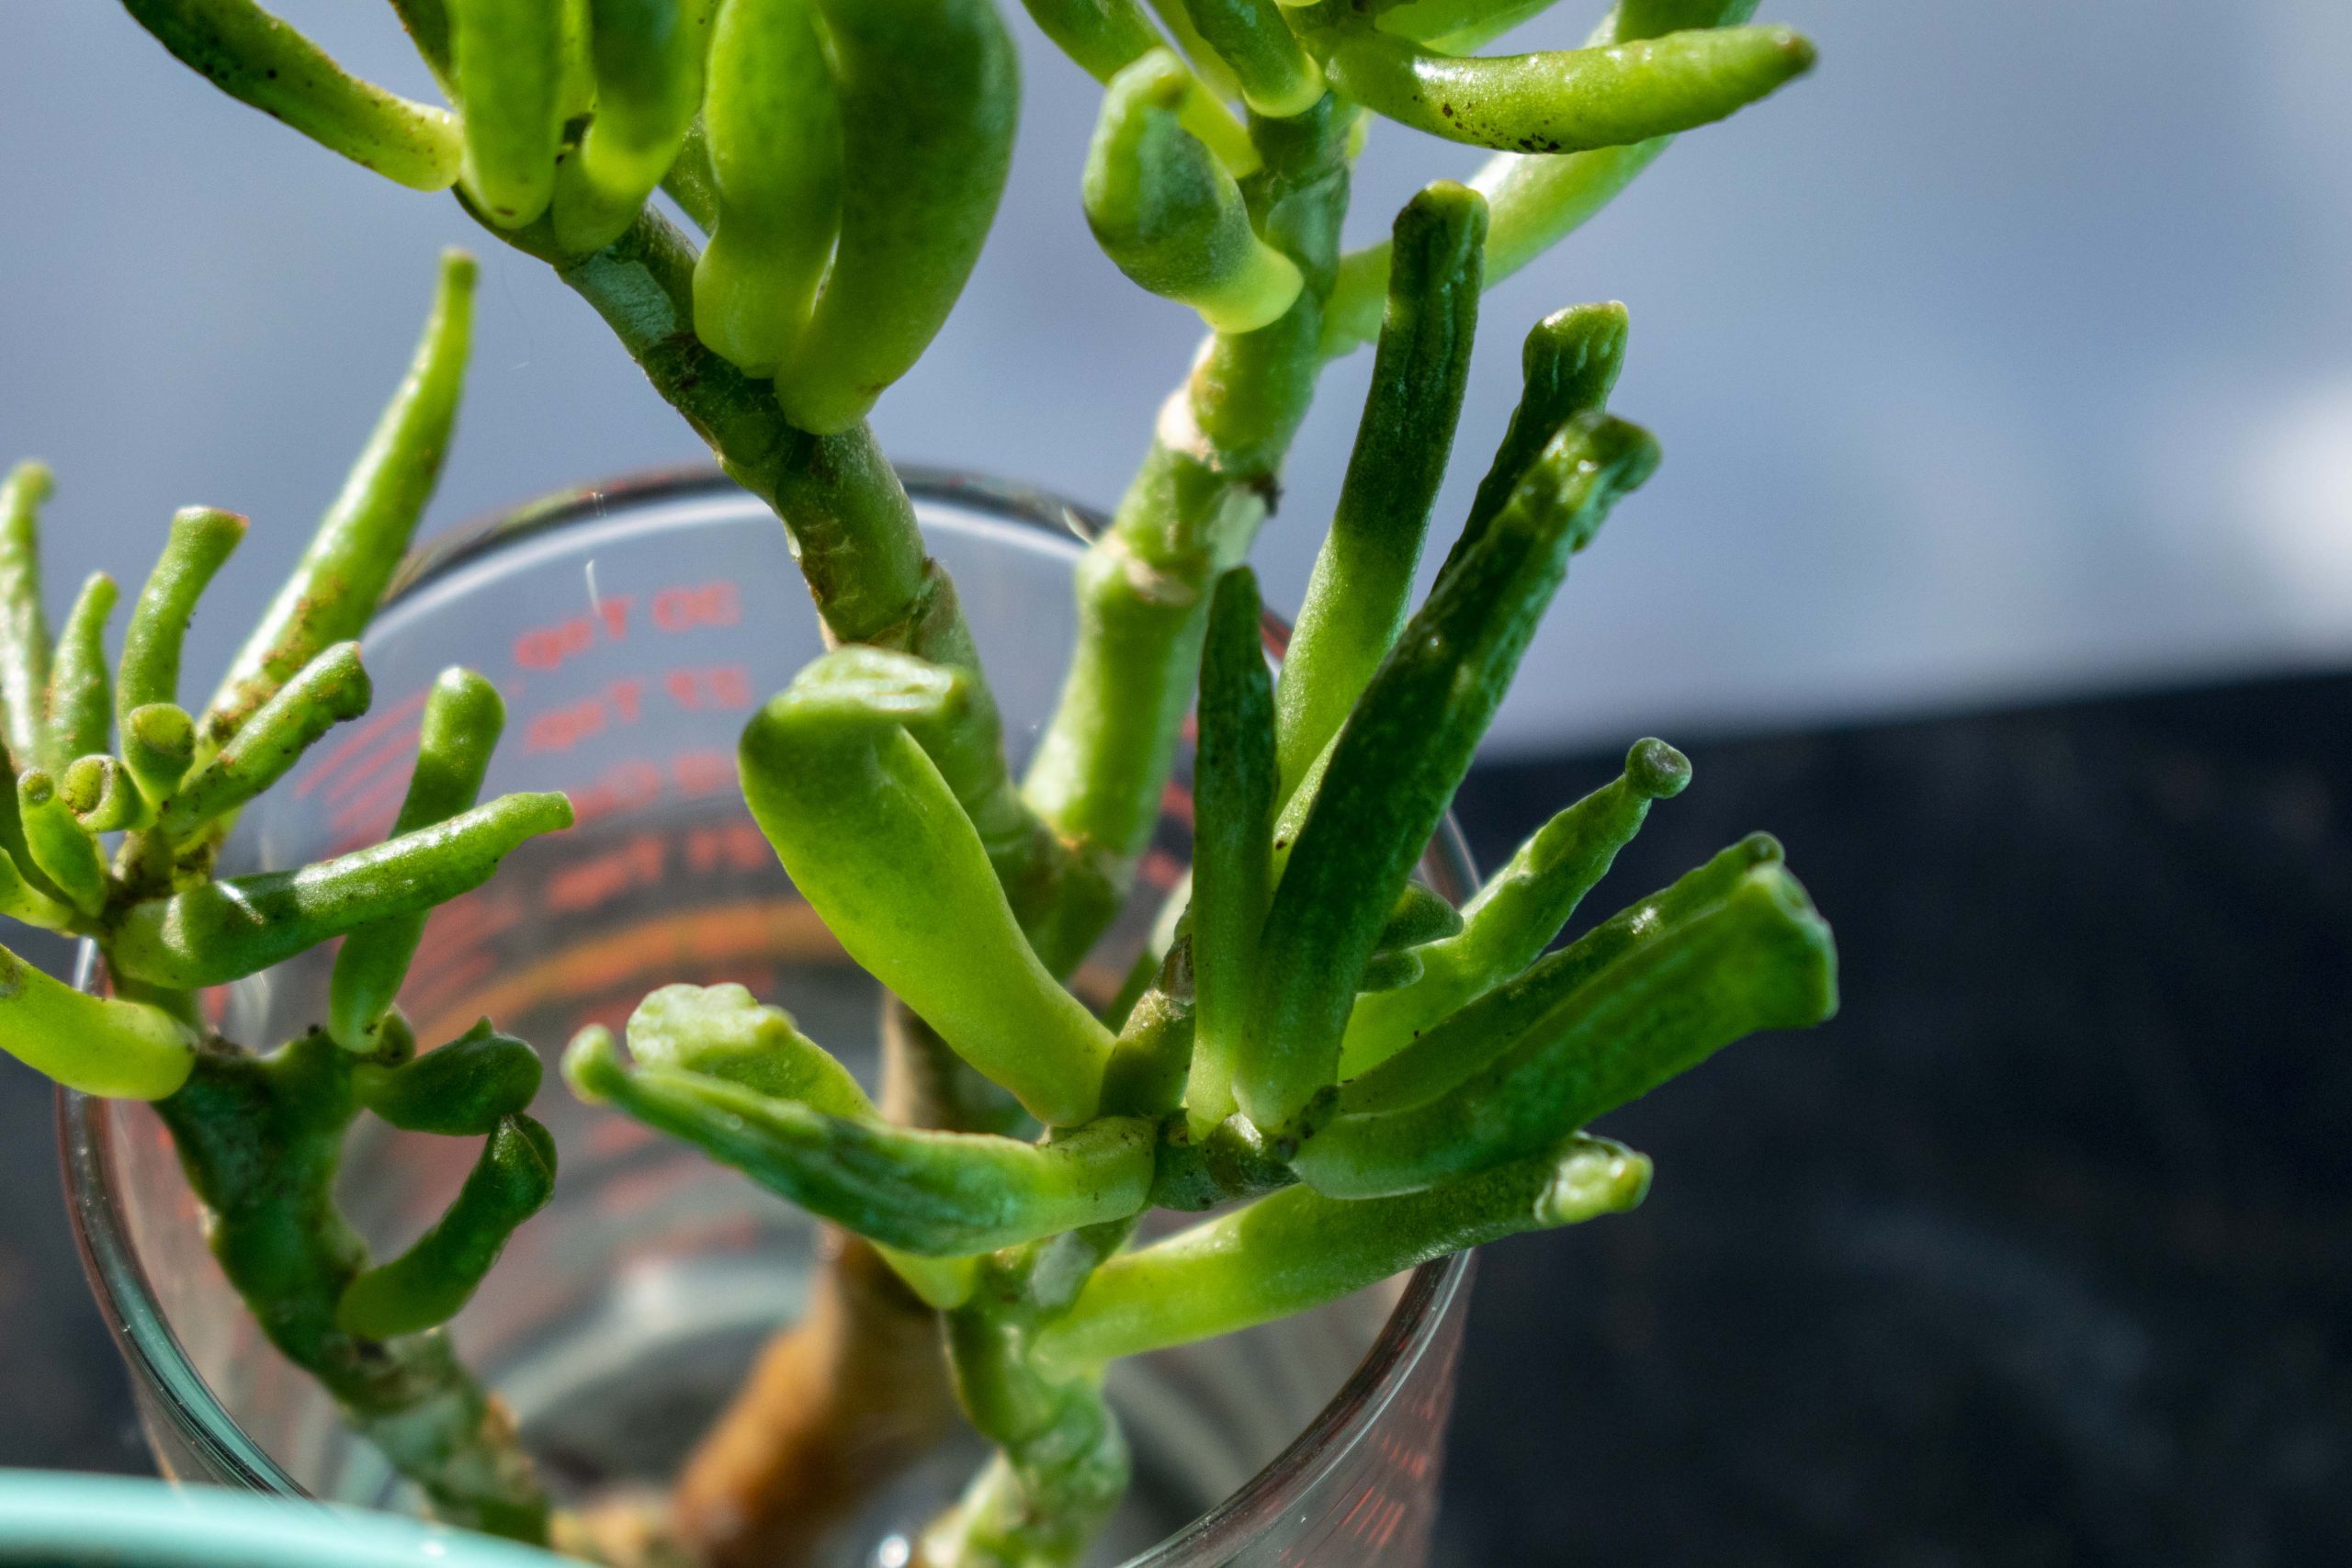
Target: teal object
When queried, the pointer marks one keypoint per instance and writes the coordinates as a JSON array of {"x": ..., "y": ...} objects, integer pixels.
[{"x": 60, "y": 1521}]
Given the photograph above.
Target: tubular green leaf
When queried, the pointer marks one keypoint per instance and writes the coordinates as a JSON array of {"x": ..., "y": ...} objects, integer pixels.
[
  {"x": 1105, "y": 37},
  {"x": 1568, "y": 366},
  {"x": 98, "y": 790},
  {"x": 648, "y": 58},
  {"x": 326, "y": 692},
  {"x": 876, "y": 842},
  {"x": 1233, "y": 792},
  {"x": 23, "y": 627},
  {"x": 1169, "y": 214},
  {"x": 1519, "y": 910},
  {"x": 63, "y": 849},
  {"x": 80, "y": 706},
  {"x": 463, "y": 716},
  {"x": 19, "y": 899},
  {"x": 508, "y": 56},
  {"x": 258, "y": 59},
  {"x": 158, "y": 747},
  {"x": 1456, "y": 27},
  {"x": 1363, "y": 582},
  {"x": 1582, "y": 1033},
  {"x": 934, "y": 1194},
  {"x": 1276, "y": 75},
  {"x": 425, "y": 1286},
  {"x": 222, "y": 930},
  {"x": 335, "y": 587},
  {"x": 98, "y": 1046},
  {"x": 722, "y": 1031},
  {"x": 1297, "y": 1249},
  {"x": 1572, "y": 100},
  {"x": 200, "y": 540},
  {"x": 930, "y": 96},
  {"x": 1536, "y": 199},
  {"x": 463, "y": 1089},
  {"x": 773, "y": 120},
  {"x": 1403, "y": 753}
]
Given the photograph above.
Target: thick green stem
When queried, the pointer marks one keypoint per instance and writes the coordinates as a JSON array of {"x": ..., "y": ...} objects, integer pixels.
[
  {"x": 1206, "y": 485},
  {"x": 261, "y": 1139}
]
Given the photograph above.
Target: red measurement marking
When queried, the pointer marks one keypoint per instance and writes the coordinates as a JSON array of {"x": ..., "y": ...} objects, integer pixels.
[
  {"x": 682, "y": 607},
  {"x": 1162, "y": 870},
  {"x": 599, "y": 879},
  {"x": 547, "y": 647},
  {"x": 374, "y": 811},
  {"x": 560, "y": 728},
  {"x": 701, "y": 773},
  {"x": 1176, "y": 801},
  {"x": 358, "y": 740},
  {"x": 730, "y": 846},
  {"x": 714, "y": 686},
  {"x": 624, "y": 787}
]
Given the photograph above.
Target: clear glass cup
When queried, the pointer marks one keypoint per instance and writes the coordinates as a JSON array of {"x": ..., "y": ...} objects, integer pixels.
[{"x": 631, "y": 627}]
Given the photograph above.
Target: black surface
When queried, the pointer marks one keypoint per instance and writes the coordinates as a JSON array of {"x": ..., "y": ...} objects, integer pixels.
[{"x": 2041, "y": 1252}]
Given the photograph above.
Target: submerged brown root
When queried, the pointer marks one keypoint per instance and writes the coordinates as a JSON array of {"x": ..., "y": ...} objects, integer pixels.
[{"x": 838, "y": 1406}]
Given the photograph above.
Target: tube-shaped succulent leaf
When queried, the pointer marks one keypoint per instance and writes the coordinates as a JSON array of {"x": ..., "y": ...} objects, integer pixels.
[
  {"x": 1167, "y": 213},
  {"x": 425, "y": 1286},
  {"x": 1277, "y": 78},
  {"x": 1455, "y": 27},
  {"x": 1233, "y": 819},
  {"x": 722, "y": 1031},
  {"x": 461, "y": 1089},
  {"x": 1363, "y": 582},
  {"x": 65, "y": 851},
  {"x": 462, "y": 719},
  {"x": 1536, "y": 199},
  {"x": 936, "y": 1194},
  {"x": 331, "y": 688},
  {"x": 221, "y": 931},
  {"x": 24, "y": 625},
  {"x": 1403, "y": 751},
  {"x": 99, "y": 790},
  {"x": 1569, "y": 100},
  {"x": 96, "y": 1045},
  {"x": 773, "y": 122},
  {"x": 158, "y": 747},
  {"x": 508, "y": 60},
  {"x": 1569, "y": 1041},
  {"x": 258, "y": 59},
  {"x": 19, "y": 899},
  {"x": 647, "y": 56},
  {"x": 1471, "y": 1036},
  {"x": 1569, "y": 366},
  {"x": 335, "y": 587},
  {"x": 930, "y": 97},
  {"x": 1515, "y": 916},
  {"x": 874, "y": 839},
  {"x": 80, "y": 706},
  {"x": 1296, "y": 1250},
  {"x": 200, "y": 540},
  {"x": 1105, "y": 37}
]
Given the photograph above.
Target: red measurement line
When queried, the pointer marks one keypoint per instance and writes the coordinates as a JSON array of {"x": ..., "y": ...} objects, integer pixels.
[{"x": 357, "y": 740}]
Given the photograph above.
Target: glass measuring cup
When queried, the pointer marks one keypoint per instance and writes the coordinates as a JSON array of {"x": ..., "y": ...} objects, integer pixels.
[{"x": 631, "y": 627}]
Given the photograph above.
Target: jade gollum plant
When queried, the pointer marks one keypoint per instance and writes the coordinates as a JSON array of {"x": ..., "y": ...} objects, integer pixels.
[{"x": 1343, "y": 1073}]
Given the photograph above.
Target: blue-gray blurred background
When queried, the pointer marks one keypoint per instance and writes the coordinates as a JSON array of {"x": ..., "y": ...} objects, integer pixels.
[{"x": 2009, "y": 355}]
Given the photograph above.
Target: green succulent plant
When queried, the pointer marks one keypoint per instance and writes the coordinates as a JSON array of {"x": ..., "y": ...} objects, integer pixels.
[
  {"x": 1346, "y": 1075},
  {"x": 118, "y": 802}
]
